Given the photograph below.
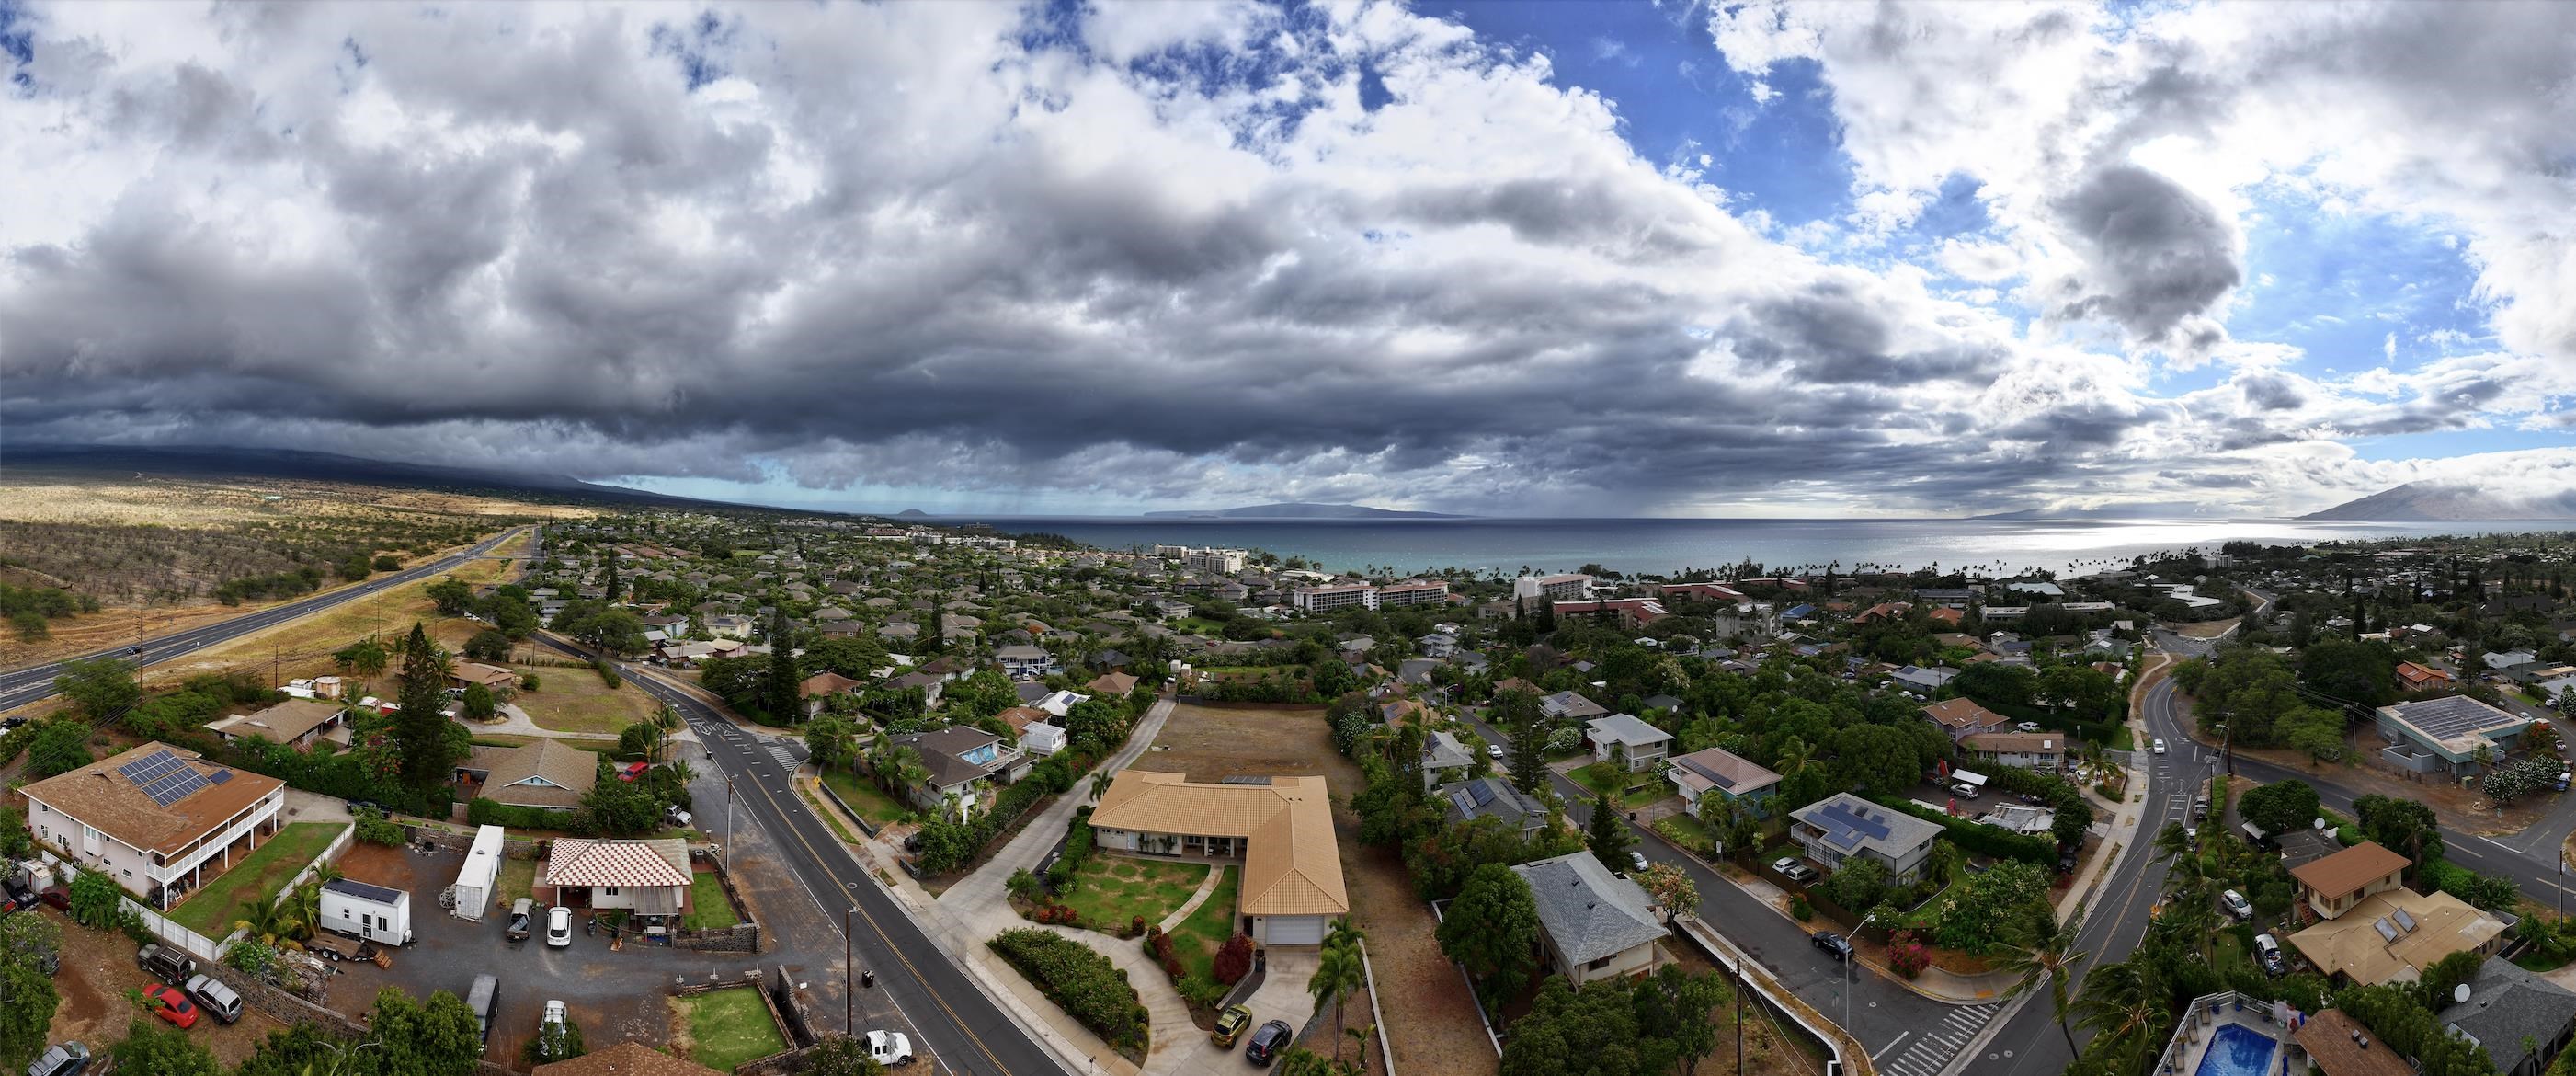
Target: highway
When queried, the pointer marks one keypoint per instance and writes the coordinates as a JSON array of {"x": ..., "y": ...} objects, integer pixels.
[
  {"x": 952, "y": 1020},
  {"x": 22, "y": 686}
]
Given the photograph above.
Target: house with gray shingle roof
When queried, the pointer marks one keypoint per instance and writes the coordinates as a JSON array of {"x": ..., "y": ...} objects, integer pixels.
[
  {"x": 1491, "y": 797},
  {"x": 1594, "y": 924},
  {"x": 2508, "y": 1006},
  {"x": 1444, "y": 758},
  {"x": 1625, "y": 737}
]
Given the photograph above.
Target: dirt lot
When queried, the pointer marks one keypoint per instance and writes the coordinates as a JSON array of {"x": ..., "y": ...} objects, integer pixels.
[
  {"x": 98, "y": 968},
  {"x": 1430, "y": 1018},
  {"x": 303, "y": 647}
]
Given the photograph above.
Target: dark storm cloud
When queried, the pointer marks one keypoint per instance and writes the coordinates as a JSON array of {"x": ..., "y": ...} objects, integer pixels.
[
  {"x": 2159, "y": 254},
  {"x": 565, "y": 260},
  {"x": 2271, "y": 393}
]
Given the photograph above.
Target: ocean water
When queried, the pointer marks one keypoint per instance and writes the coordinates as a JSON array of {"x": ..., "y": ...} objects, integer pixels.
[{"x": 1506, "y": 546}]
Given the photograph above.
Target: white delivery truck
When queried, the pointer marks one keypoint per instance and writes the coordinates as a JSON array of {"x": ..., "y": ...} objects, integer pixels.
[
  {"x": 370, "y": 912},
  {"x": 472, "y": 892}
]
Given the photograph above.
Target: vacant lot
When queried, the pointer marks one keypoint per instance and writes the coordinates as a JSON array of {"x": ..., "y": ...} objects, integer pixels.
[
  {"x": 576, "y": 700},
  {"x": 255, "y": 877},
  {"x": 303, "y": 647},
  {"x": 724, "y": 1028},
  {"x": 863, "y": 795},
  {"x": 1430, "y": 1018}
]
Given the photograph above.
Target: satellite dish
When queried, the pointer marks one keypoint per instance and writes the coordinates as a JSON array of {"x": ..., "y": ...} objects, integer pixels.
[
  {"x": 2317, "y": 823},
  {"x": 2460, "y": 993}
]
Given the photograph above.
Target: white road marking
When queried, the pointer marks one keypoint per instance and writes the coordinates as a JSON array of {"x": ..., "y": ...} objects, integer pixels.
[{"x": 1891, "y": 1044}]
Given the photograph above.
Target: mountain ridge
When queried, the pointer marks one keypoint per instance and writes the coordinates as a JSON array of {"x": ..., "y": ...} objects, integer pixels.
[
  {"x": 1300, "y": 510},
  {"x": 223, "y": 460},
  {"x": 2446, "y": 501}
]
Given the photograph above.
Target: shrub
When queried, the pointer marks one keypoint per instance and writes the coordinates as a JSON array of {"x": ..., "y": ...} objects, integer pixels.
[
  {"x": 607, "y": 673},
  {"x": 1081, "y": 982},
  {"x": 1799, "y": 907},
  {"x": 373, "y": 828},
  {"x": 528, "y": 682},
  {"x": 1234, "y": 959}
]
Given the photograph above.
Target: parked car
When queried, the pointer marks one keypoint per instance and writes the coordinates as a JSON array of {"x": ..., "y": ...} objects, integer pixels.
[
  {"x": 216, "y": 998},
  {"x": 1637, "y": 860},
  {"x": 61, "y": 1059},
  {"x": 2067, "y": 854},
  {"x": 2268, "y": 952},
  {"x": 171, "y": 1005},
  {"x": 1267, "y": 1042},
  {"x": 1794, "y": 869},
  {"x": 20, "y": 897},
  {"x": 676, "y": 817},
  {"x": 558, "y": 927},
  {"x": 889, "y": 1048},
  {"x": 2160, "y": 745},
  {"x": 1834, "y": 945},
  {"x": 1963, "y": 790},
  {"x": 2199, "y": 808},
  {"x": 2192, "y": 835},
  {"x": 1230, "y": 1025},
  {"x": 167, "y": 964},
  {"x": 2027, "y": 726},
  {"x": 1493, "y": 750},
  {"x": 521, "y": 912},
  {"x": 57, "y": 897},
  {"x": 632, "y": 770},
  {"x": 2236, "y": 904}
]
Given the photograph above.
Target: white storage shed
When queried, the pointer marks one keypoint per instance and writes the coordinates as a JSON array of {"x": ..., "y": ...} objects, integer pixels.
[
  {"x": 474, "y": 882},
  {"x": 372, "y": 912}
]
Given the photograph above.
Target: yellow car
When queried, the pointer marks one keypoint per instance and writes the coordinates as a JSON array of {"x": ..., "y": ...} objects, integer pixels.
[{"x": 1230, "y": 1024}]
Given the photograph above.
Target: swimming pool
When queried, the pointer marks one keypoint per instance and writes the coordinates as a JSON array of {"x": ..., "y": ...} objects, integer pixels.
[{"x": 2237, "y": 1050}]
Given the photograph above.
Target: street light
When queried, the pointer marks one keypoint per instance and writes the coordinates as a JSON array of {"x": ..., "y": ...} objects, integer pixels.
[{"x": 1849, "y": 979}]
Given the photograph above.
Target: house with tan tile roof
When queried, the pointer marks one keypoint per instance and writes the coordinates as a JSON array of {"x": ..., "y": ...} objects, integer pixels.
[
  {"x": 648, "y": 877},
  {"x": 545, "y": 774},
  {"x": 153, "y": 815},
  {"x": 1280, "y": 828},
  {"x": 295, "y": 723},
  {"x": 470, "y": 673}
]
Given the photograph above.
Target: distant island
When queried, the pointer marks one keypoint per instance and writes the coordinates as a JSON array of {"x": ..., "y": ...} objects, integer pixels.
[
  {"x": 2443, "y": 501},
  {"x": 2107, "y": 512},
  {"x": 1298, "y": 510},
  {"x": 912, "y": 513}
]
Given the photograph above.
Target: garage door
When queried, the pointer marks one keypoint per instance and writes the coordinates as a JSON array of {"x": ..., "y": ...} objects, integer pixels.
[{"x": 1296, "y": 930}]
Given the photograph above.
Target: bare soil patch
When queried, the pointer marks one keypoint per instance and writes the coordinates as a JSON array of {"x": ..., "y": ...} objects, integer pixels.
[{"x": 98, "y": 968}]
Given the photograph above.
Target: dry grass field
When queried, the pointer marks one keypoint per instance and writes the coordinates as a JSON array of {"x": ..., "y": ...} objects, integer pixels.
[{"x": 303, "y": 647}]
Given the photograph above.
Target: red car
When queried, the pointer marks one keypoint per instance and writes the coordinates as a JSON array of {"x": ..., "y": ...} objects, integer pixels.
[
  {"x": 633, "y": 770},
  {"x": 171, "y": 1005}
]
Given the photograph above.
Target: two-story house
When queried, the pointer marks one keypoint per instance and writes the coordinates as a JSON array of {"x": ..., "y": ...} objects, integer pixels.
[
  {"x": 1843, "y": 826},
  {"x": 2333, "y": 884},
  {"x": 1715, "y": 774},
  {"x": 1444, "y": 759},
  {"x": 2373, "y": 930},
  {"x": 1962, "y": 718},
  {"x": 154, "y": 815},
  {"x": 1593, "y": 924},
  {"x": 957, "y": 758},
  {"x": 2020, "y": 750},
  {"x": 1624, "y": 739},
  {"x": 1024, "y": 662},
  {"x": 1568, "y": 706}
]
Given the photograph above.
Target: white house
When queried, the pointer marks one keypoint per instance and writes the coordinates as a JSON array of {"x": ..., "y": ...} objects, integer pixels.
[
  {"x": 648, "y": 877},
  {"x": 1619, "y": 736},
  {"x": 1594, "y": 925},
  {"x": 361, "y": 910},
  {"x": 154, "y": 815}
]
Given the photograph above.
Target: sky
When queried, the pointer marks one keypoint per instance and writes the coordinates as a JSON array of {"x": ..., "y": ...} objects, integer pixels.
[{"x": 1612, "y": 258}]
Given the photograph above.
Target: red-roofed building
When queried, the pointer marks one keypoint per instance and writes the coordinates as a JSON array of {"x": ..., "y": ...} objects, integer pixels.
[{"x": 649, "y": 877}]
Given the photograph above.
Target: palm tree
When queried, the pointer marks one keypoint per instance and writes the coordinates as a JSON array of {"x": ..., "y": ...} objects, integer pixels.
[
  {"x": 366, "y": 658},
  {"x": 269, "y": 921},
  {"x": 2047, "y": 954},
  {"x": 1337, "y": 975},
  {"x": 2172, "y": 843},
  {"x": 2122, "y": 1000},
  {"x": 665, "y": 721},
  {"x": 901, "y": 769},
  {"x": 1099, "y": 785}
]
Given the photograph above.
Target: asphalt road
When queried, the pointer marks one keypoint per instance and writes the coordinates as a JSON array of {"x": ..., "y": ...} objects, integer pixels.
[
  {"x": 23, "y": 686},
  {"x": 953, "y": 1021},
  {"x": 1907, "y": 1033}
]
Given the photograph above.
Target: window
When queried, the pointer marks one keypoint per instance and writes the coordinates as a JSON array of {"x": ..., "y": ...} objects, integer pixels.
[
  {"x": 611, "y": 891},
  {"x": 1598, "y": 964}
]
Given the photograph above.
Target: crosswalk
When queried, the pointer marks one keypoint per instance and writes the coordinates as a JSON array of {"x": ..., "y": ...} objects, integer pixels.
[
  {"x": 1929, "y": 1051},
  {"x": 786, "y": 761}
]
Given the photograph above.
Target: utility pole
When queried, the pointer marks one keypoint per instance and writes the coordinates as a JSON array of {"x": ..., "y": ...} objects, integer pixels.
[
  {"x": 849, "y": 985},
  {"x": 728, "y": 804}
]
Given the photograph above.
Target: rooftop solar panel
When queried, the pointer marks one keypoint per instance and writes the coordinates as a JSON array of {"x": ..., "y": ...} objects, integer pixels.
[
  {"x": 164, "y": 777},
  {"x": 2404, "y": 920},
  {"x": 377, "y": 893}
]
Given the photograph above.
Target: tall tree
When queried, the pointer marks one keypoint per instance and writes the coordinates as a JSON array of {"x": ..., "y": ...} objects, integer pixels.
[
  {"x": 420, "y": 728},
  {"x": 2045, "y": 953},
  {"x": 1492, "y": 929},
  {"x": 1608, "y": 839},
  {"x": 100, "y": 688},
  {"x": 163, "y": 1051},
  {"x": 785, "y": 683},
  {"x": 1338, "y": 975}
]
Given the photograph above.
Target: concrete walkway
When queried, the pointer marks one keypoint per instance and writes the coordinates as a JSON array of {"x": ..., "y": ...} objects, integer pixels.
[
  {"x": 512, "y": 721},
  {"x": 1207, "y": 888}
]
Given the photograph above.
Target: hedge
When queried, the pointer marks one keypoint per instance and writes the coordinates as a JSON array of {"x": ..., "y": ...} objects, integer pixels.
[
  {"x": 1981, "y": 838},
  {"x": 1080, "y": 981},
  {"x": 484, "y": 812}
]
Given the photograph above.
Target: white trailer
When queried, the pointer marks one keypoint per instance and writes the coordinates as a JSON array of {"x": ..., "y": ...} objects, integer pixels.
[
  {"x": 472, "y": 892},
  {"x": 370, "y": 912}
]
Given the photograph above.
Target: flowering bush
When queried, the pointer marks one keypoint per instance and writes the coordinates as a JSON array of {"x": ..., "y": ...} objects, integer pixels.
[{"x": 1908, "y": 956}]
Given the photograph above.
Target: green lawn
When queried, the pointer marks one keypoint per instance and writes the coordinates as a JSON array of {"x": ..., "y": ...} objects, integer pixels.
[
  {"x": 730, "y": 1026},
  {"x": 1601, "y": 776},
  {"x": 1686, "y": 831},
  {"x": 864, "y": 797},
  {"x": 708, "y": 909},
  {"x": 1114, "y": 889},
  {"x": 1199, "y": 936},
  {"x": 255, "y": 877},
  {"x": 518, "y": 879}
]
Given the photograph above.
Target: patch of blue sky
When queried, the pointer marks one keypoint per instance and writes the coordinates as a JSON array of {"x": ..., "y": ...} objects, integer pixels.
[
  {"x": 2504, "y": 436},
  {"x": 1296, "y": 48},
  {"x": 1677, "y": 100},
  {"x": 695, "y": 46},
  {"x": 2338, "y": 284}
]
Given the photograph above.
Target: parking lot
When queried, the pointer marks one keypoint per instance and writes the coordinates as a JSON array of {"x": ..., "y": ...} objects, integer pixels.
[{"x": 613, "y": 995}]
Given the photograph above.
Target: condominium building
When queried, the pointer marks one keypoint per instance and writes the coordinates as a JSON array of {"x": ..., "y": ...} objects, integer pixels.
[
  {"x": 1327, "y": 599},
  {"x": 1556, "y": 588},
  {"x": 1412, "y": 592},
  {"x": 1214, "y": 561}
]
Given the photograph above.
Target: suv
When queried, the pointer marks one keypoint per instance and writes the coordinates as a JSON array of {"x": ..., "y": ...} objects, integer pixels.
[
  {"x": 167, "y": 964},
  {"x": 66, "y": 1059},
  {"x": 1794, "y": 869},
  {"x": 2268, "y": 952},
  {"x": 1835, "y": 945},
  {"x": 2236, "y": 904},
  {"x": 1267, "y": 1042},
  {"x": 216, "y": 998},
  {"x": 1230, "y": 1025}
]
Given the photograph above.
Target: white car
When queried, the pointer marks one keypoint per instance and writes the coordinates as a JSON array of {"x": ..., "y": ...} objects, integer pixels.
[
  {"x": 2027, "y": 726},
  {"x": 558, "y": 927},
  {"x": 554, "y": 1012},
  {"x": 2160, "y": 745},
  {"x": 1493, "y": 750},
  {"x": 889, "y": 1048},
  {"x": 2236, "y": 904}
]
